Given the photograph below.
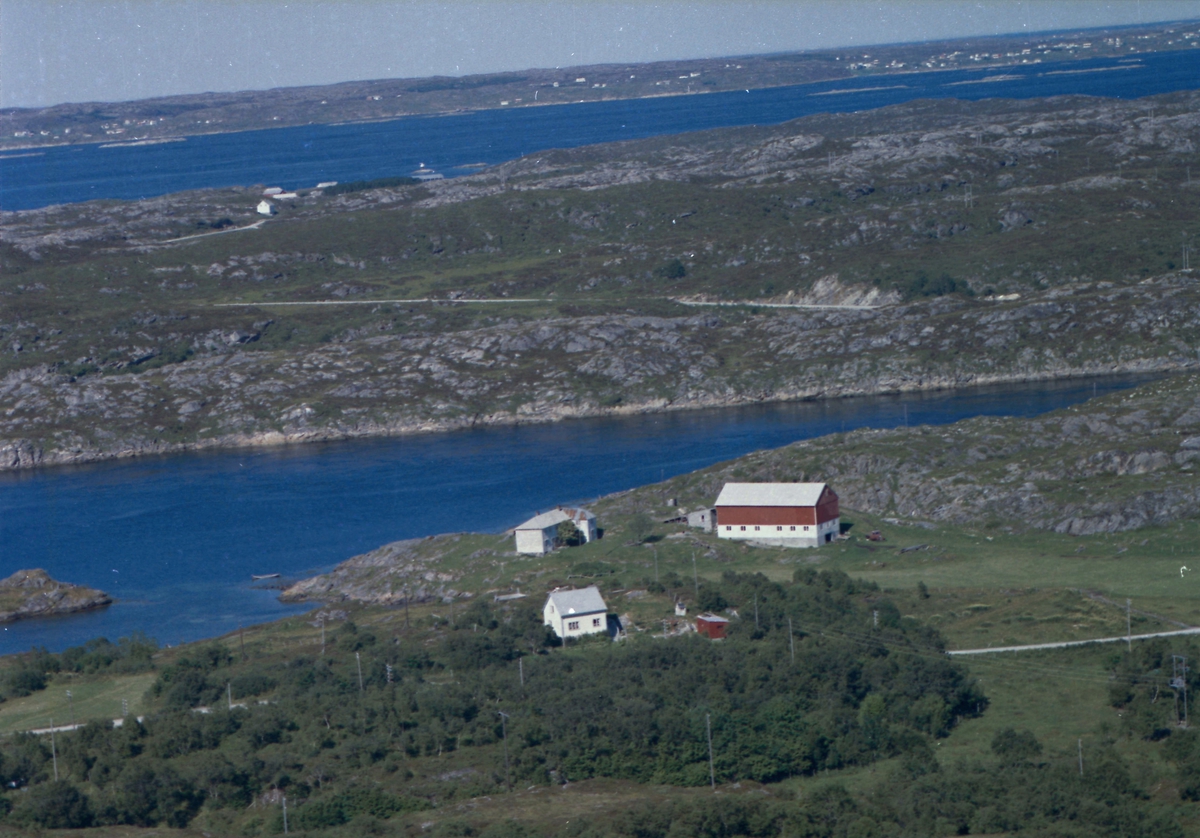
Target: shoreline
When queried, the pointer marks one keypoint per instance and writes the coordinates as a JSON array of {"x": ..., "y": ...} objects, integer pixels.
[
  {"x": 178, "y": 136},
  {"x": 24, "y": 455}
]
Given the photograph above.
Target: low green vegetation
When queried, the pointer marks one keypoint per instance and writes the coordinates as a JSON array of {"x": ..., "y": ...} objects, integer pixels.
[
  {"x": 360, "y": 185},
  {"x": 836, "y": 692}
]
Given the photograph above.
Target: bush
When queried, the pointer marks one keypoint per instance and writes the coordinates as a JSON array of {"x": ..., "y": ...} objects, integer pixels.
[
  {"x": 56, "y": 805},
  {"x": 1015, "y": 746},
  {"x": 251, "y": 683},
  {"x": 148, "y": 794},
  {"x": 671, "y": 270},
  {"x": 22, "y": 681},
  {"x": 360, "y": 185}
]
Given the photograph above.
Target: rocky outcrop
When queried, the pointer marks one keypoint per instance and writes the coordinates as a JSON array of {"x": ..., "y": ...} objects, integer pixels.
[
  {"x": 566, "y": 367},
  {"x": 32, "y": 593},
  {"x": 403, "y": 571}
]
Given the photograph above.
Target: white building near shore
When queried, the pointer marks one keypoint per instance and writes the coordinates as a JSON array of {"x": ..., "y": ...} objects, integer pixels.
[{"x": 537, "y": 535}]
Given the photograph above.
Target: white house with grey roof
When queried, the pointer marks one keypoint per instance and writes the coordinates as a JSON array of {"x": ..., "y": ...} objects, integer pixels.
[
  {"x": 575, "y": 613},
  {"x": 536, "y": 536}
]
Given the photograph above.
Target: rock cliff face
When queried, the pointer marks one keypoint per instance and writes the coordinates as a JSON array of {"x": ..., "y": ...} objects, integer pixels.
[
  {"x": 588, "y": 366},
  {"x": 32, "y": 593}
]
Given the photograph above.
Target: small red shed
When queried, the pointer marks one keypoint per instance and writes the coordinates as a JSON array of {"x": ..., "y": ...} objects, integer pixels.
[{"x": 711, "y": 626}]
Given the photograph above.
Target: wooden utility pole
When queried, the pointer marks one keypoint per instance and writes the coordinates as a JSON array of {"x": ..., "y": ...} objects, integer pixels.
[
  {"x": 1129, "y": 624},
  {"x": 792, "y": 640},
  {"x": 712, "y": 772},
  {"x": 54, "y": 750},
  {"x": 1080, "y": 757},
  {"x": 504, "y": 729},
  {"x": 521, "y": 669},
  {"x": 358, "y": 660}
]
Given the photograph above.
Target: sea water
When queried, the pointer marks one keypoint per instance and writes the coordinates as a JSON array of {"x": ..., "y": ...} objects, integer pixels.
[
  {"x": 176, "y": 539},
  {"x": 306, "y": 155}
]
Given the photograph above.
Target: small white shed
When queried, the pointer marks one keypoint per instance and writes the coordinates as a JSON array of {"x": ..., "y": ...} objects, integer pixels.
[
  {"x": 265, "y": 207},
  {"x": 574, "y": 613},
  {"x": 536, "y": 536},
  {"x": 702, "y": 519}
]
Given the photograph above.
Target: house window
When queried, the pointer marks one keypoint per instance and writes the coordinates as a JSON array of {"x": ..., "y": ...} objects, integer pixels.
[
  {"x": 806, "y": 529},
  {"x": 573, "y": 626},
  {"x": 779, "y": 529},
  {"x": 728, "y": 529},
  {"x": 793, "y": 529},
  {"x": 743, "y": 529},
  {"x": 756, "y": 529},
  {"x": 596, "y": 623}
]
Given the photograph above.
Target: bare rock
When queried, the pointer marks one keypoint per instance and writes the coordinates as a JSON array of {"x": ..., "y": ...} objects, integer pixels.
[{"x": 32, "y": 593}]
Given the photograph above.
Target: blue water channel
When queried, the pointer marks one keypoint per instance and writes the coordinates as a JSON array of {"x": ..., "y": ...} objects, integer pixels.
[
  {"x": 304, "y": 156},
  {"x": 176, "y": 539}
]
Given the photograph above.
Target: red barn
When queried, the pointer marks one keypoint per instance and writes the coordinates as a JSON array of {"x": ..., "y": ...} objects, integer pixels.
[
  {"x": 711, "y": 626},
  {"x": 788, "y": 514}
]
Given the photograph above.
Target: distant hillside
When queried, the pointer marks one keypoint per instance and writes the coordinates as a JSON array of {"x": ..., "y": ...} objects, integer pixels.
[
  {"x": 923, "y": 246},
  {"x": 207, "y": 113}
]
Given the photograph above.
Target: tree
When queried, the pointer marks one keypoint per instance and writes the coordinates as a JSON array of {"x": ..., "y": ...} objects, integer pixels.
[
  {"x": 568, "y": 535},
  {"x": 58, "y": 805},
  {"x": 1015, "y": 746},
  {"x": 640, "y": 526}
]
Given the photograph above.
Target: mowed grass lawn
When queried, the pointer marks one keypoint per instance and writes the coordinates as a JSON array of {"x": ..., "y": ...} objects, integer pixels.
[
  {"x": 97, "y": 697},
  {"x": 1144, "y": 564}
]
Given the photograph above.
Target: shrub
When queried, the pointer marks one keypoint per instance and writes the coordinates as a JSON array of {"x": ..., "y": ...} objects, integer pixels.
[
  {"x": 57, "y": 805},
  {"x": 671, "y": 270}
]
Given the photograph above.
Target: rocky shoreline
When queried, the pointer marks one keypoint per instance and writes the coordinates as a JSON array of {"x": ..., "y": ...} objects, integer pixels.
[
  {"x": 26, "y": 454},
  {"x": 32, "y": 593}
]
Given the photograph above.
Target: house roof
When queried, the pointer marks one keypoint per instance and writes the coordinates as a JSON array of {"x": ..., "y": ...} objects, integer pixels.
[
  {"x": 770, "y": 494},
  {"x": 711, "y": 618},
  {"x": 555, "y": 517},
  {"x": 581, "y": 601}
]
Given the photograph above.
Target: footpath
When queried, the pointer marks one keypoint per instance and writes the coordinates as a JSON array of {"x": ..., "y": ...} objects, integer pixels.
[{"x": 1125, "y": 638}]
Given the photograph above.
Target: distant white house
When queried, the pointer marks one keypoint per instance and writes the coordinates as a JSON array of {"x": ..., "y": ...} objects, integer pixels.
[
  {"x": 286, "y": 196},
  {"x": 576, "y": 613},
  {"x": 272, "y": 190},
  {"x": 536, "y": 536},
  {"x": 265, "y": 207},
  {"x": 325, "y": 184}
]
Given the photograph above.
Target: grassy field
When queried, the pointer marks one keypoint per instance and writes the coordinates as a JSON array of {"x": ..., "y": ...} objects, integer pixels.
[{"x": 92, "y": 697}]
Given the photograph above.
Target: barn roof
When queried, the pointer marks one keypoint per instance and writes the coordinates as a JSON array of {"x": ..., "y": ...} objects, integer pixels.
[
  {"x": 555, "y": 517},
  {"x": 770, "y": 494},
  {"x": 581, "y": 601}
]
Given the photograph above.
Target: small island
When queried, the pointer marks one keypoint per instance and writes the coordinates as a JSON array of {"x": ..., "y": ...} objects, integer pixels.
[{"x": 32, "y": 593}]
